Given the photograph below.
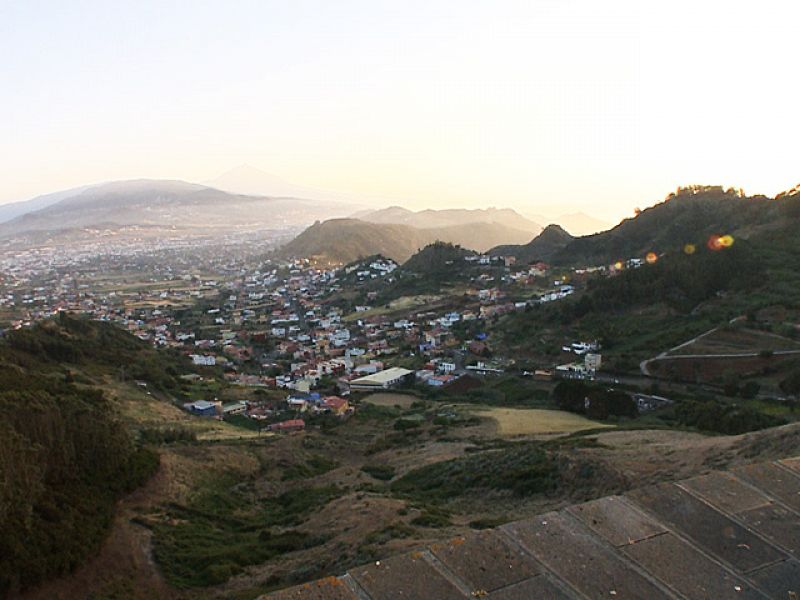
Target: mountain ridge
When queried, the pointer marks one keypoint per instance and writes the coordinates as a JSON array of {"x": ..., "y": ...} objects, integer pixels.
[
  {"x": 691, "y": 215},
  {"x": 346, "y": 240},
  {"x": 167, "y": 203}
]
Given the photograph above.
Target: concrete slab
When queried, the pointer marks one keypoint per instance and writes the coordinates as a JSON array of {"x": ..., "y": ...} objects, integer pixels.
[
  {"x": 329, "y": 588},
  {"x": 405, "y": 577},
  {"x": 773, "y": 480},
  {"x": 725, "y": 492},
  {"x": 486, "y": 561},
  {"x": 688, "y": 571},
  {"x": 713, "y": 531},
  {"x": 537, "y": 588},
  {"x": 780, "y": 581},
  {"x": 616, "y": 520},
  {"x": 777, "y": 524},
  {"x": 570, "y": 550},
  {"x": 792, "y": 463}
]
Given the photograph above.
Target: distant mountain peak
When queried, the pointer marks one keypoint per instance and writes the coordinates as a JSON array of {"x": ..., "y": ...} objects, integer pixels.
[{"x": 555, "y": 228}]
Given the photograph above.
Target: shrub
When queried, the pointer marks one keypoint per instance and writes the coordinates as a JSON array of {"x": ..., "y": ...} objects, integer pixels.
[
  {"x": 382, "y": 472},
  {"x": 522, "y": 469},
  {"x": 431, "y": 519}
]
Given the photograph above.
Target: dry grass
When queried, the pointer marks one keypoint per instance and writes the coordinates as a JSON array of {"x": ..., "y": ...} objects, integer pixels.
[
  {"x": 404, "y": 303},
  {"x": 521, "y": 421},
  {"x": 404, "y": 401},
  {"x": 145, "y": 410}
]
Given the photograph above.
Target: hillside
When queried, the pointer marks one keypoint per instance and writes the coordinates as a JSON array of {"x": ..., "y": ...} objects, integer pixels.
[
  {"x": 13, "y": 210},
  {"x": 638, "y": 312},
  {"x": 167, "y": 204},
  {"x": 543, "y": 247},
  {"x": 66, "y": 458},
  {"x": 688, "y": 216},
  {"x": 439, "y": 259},
  {"x": 346, "y": 240},
  {"x": 432, "y": 219}
]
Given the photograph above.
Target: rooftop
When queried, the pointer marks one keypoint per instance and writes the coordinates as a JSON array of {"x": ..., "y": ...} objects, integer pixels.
[
  {"x": 723, "y": 535},
  {"x": 382, "y": 377}
]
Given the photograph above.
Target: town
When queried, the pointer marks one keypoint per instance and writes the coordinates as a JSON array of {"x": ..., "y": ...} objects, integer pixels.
[{"x": 254, "y": 322}]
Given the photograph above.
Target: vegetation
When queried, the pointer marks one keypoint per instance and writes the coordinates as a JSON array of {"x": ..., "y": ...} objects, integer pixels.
[
  {"x": 593, "y": 401},
  {"x": 521, "y": 469},
  {"x": 65, "y": 458},
  {"x": 225, "y": 528},
  {"x": 381, "y": 472},
  {"x": 680, "y": 280},
  {"x": 440, "y": 260},
  {"x": 541, "y": 248},
  {"x": 723, "y": 417},
  {"x": 313, "y": 466},
  {"x": 689, "y": 215}
]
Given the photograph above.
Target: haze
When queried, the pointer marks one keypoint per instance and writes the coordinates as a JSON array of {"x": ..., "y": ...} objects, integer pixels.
[{"x": 545, "y": 106}]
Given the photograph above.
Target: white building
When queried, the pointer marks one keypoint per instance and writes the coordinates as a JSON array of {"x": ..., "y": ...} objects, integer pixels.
[{"x": 380, "y": 380}]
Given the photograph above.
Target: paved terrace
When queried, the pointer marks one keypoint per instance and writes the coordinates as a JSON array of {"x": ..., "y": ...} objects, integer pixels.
[{"x": 723, "y": 535}]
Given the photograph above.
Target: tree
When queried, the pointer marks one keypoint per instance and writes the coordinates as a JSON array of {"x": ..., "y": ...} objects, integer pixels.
[
  {"x": 791, "y": 384},
  {"x": 570, "y": 395},
  {"x": 750, "y": 390}
]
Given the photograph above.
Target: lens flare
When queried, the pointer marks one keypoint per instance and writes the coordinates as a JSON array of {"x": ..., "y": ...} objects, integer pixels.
[
  {"x": 689, "y": 249},
  {"x": 651, "y": 258},
  {"x": 714, "y": 243}
]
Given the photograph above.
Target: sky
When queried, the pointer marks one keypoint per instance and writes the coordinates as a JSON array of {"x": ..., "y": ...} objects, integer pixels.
[{"x": 544, "y": 105}]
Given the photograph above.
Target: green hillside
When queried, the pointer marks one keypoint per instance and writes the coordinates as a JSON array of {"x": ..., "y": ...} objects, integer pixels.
[
  {"x": 65, "y": 457},
  {"x": 440, "y": 260},
  {"x": 690, "y": 215},
  {"x": 642, "y": 311}
]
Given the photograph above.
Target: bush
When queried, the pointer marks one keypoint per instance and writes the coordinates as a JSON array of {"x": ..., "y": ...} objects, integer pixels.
[
  {"x": 167, "y": 435},
  {"x": 570, "y": 395},
  {"x": 521, "y": 469},
  {"x": 431, "y": 519},
  {"x": 224, "y": 525},
  {"x": 750, "y": 390},
  {"x": 594, "y": 402},
  {"x": 718, "y": 417},
  {"x": 381, "y": 472},
  {"x": 488, "y": 523}
]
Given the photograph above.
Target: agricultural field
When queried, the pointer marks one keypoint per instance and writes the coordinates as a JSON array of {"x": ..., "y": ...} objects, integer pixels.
[
  {"x": 403, "y": 401},
  {"x": 713, "y": 370},
  {"x": 736, "y": 340},
  {"x": 532, "y": 421}
]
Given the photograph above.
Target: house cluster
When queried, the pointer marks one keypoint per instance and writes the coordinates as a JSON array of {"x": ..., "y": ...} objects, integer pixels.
[
  {"x": 277, "y": 324},
  {"x": 286, "y": 415},
  {"x": 580, "y": 369}
]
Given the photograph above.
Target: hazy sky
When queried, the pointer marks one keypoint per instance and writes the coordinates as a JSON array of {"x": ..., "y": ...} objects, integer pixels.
[{"x": 543, "y": 104}]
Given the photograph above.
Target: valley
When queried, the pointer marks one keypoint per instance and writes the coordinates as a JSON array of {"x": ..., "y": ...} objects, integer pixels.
[
  {"x": 310, "y": 415},
  {"x": 399, "y": 301}
]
